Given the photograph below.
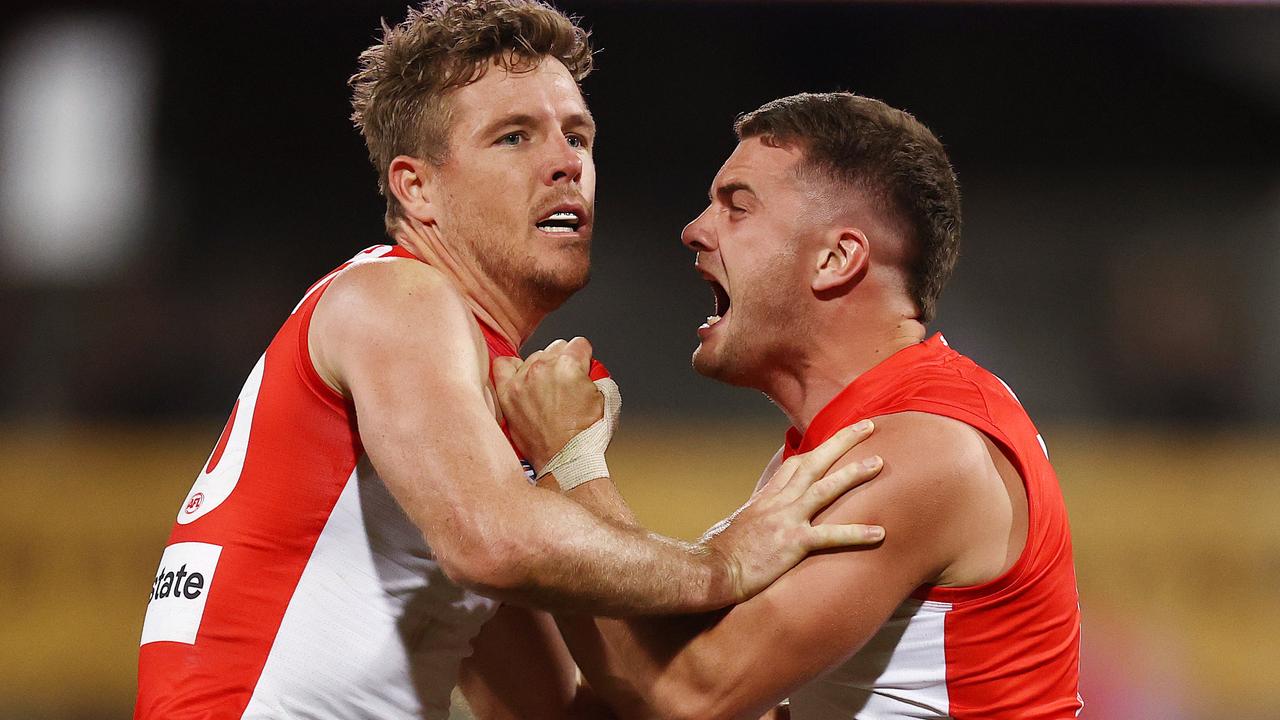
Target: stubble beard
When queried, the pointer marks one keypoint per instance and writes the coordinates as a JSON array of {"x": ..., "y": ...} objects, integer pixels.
[
  {"x": 509, "y": 264},
  {"x": 761, "y": 338}
]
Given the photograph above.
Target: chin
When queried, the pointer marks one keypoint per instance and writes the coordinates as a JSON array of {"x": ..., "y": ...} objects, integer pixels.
[
  {"x": 552, "y": 289},
  {"x": 728, "y": 360},
  {"x": 716, "y": 366}
]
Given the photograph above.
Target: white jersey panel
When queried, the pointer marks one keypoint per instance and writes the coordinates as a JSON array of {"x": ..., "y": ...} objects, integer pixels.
[
  {"x": 374, "y": 629},
  {"x": 900, "y": 673}
]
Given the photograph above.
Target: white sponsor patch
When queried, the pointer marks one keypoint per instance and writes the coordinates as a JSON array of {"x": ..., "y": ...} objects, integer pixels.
[{"x": 179, "y": 592}]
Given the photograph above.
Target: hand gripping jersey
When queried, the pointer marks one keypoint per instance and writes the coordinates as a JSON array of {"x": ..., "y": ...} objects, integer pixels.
[
  {"x": 1006, "y": 649},
  {"x": 293, "y": 585}
]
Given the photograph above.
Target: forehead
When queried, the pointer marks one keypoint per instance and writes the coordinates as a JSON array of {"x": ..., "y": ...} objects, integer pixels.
[
  {"x": 765, "y": 168},
  {"x": 546, "y": 91}
]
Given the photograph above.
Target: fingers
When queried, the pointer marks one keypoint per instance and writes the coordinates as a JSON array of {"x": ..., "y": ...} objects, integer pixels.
[
  {"x": 815, "y": 463},
  {"x": 572, "y": 355},
  {"x": 825, "y": 491},
  {"x": 504, "y": 369},
  {"x": 579, "y": 346},
  {"x": 827, "y": 536}
]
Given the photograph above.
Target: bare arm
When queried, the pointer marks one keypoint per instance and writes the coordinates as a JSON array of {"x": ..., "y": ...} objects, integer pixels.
[
  {"x": 520, "y": 669},
  {"x": 400, "y": 343},
  {"x": 947, "y": 518},
  {"x": 821, "y": 612}
]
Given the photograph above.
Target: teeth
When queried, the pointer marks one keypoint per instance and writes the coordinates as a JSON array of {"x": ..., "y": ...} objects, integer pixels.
[
  {"x": 561, "y": 222},
  {"x": 712, "y": 320}
]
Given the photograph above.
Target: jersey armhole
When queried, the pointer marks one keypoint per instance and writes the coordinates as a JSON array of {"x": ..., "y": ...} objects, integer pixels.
[{"x": 306, "y": 368}]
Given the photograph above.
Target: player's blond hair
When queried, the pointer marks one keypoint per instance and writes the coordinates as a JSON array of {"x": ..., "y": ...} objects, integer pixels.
[{"x": 400, "y": 91}]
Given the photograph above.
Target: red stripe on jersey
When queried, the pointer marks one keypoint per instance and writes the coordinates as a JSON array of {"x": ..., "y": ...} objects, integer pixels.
[
  {"x": 221, "y": 447},
  {"x": 302, "y": 448}
]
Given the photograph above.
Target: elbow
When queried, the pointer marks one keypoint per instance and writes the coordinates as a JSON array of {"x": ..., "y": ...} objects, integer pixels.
[
  {"x": 689, "y": 699},
  {"x": 485, "y": 561}
]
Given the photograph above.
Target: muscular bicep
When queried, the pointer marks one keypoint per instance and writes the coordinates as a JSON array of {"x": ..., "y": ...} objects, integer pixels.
[
  {"x": 824, "y": 610},
  {"x": 406, "y": 352}
]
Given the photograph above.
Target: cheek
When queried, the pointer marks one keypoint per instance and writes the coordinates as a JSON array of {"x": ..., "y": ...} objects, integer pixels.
[
  {"x": 588, "y": 184},
  {"x": 772, "y": 287}
]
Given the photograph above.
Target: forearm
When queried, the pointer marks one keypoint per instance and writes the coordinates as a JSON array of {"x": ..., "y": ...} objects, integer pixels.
[
  {"x": 624, "y": 659},
  {"x": 642, "y": 666},
  {"x": 602, "y": 499},
  {"x": 559, "y": 556}
]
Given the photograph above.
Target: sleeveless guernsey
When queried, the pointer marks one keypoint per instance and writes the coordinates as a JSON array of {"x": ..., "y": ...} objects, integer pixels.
[
  {"x": 293, "y": 585},
  {"x": 1006, "y": 649}
]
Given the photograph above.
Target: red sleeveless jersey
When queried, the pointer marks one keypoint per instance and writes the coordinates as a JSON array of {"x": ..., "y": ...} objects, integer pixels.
[
  {"x": 292, "y": 584},
  {"x": 1008, "y": 648}
]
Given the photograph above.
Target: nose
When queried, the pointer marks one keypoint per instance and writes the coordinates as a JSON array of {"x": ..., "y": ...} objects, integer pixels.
[
  {"x": 564, "y": 164},
  {"x": 697, "y": 235}
]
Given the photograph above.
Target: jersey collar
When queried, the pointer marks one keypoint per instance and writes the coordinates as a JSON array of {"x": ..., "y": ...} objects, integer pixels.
[{"x": 835, "y": 414}]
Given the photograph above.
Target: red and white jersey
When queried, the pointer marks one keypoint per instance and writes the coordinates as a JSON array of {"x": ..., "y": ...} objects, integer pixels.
[
  {"x": 293, "y": 585},
  {"x": 1005, "y": 649}
]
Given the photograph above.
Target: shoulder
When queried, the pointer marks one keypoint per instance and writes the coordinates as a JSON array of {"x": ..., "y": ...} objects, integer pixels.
[
  {"x": 937, "y": 486},
  {"x": 391, "y": 311},
  {"x": 393, "y": 287},
  {"x": 932, "y": 445},
  {"x": 939, "y": 465}
]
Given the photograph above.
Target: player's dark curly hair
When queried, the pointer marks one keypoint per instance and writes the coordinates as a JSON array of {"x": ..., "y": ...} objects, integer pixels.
[
  {"x": 885, "y": 153},
  {"x": 400, "y": 91}
]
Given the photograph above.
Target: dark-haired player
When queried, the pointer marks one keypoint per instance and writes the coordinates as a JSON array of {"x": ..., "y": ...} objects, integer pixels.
[{"x": 831, "y": 230}]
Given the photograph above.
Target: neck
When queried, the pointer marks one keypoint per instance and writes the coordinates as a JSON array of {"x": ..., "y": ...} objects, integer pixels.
[
  {"x": 833, "y": 359},
  {"x": 491, "y": 303}
]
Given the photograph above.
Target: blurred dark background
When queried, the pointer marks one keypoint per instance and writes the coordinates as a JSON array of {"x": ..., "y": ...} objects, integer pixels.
[
  {"x": 173, "y": 176},
  {"x": 1120, "y": 168}
]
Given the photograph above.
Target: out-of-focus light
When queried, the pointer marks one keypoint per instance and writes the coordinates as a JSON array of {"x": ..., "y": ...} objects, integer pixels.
[{"x": 75, "y": 146}]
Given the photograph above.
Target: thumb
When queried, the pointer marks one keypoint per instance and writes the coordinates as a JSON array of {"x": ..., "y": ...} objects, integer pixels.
[{"x": 504, "y": 368}]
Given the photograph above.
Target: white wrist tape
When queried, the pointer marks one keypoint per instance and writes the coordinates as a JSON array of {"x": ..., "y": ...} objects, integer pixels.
[{"x": 582, "y": 458}]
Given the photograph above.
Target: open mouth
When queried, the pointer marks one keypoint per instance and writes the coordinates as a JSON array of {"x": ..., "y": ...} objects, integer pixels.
[
  {"x": 561, "y": 222},
  {"x": 721, "y": 297}
]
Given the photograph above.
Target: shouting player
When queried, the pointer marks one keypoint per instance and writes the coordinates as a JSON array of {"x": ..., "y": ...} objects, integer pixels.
[
  {"x": 363, "y": 514},
  {"x": 831, "y": 231}
]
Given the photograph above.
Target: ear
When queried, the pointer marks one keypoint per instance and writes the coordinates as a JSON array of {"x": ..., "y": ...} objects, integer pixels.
[
  {"x": 843, "y": 258},
  {"x": 409, "y": 180}
]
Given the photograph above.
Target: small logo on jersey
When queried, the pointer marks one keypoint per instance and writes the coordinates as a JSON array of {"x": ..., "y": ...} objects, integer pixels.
[
  {"x": 528, "y": 471},
  {"x": 218, "y": 477},
  {"x": 178, "y": 593}
]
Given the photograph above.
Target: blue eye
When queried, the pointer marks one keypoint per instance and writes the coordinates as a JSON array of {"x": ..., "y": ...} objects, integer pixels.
[
  {"x": 511, "y": 139},
  {"x": 576, "y": 141}
]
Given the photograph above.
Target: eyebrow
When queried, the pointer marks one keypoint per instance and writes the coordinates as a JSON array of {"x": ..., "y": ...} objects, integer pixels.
[
  {"x": 581, "y": 120},
  {"x": 576, "y": 120},
  {"x": 726, "y": 190}
]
